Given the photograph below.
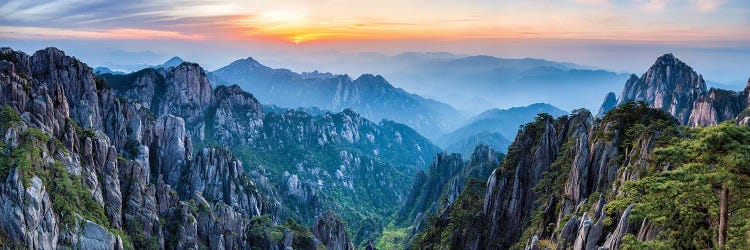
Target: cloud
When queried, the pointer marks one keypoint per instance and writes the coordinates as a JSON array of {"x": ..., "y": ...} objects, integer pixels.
[
  {"x": 653, "y": 5},
  {"x": 707, "y": 5},
  {"x": 593, "y": 2},
  {"x": 40, "y": 33}
]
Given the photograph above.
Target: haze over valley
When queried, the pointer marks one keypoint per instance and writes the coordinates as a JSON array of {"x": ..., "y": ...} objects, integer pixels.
[{"x": 340, "y": 125}]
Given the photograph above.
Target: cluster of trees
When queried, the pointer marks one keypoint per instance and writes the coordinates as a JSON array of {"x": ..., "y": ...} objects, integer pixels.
[
  {"x": 698, "y": 195},
  {"x": 693, "y": 194}
]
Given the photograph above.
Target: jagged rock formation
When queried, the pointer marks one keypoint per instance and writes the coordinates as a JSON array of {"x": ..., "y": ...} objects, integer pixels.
[
  {"x": 552, "y": 187},
  {"x": 111, "y": 165},
  {"x": 304, "y": 163},
  {"x": 441, "y": 186},
  {"x": 673, "y": 86},
  {"x": 370, "y": 95},
  {"x": 610, "y": 102},
  {"x": 330, "y": 230}
]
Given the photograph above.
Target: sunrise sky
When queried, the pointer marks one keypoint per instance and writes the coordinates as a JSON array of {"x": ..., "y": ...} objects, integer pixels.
[{"x": 502, "y": 28}]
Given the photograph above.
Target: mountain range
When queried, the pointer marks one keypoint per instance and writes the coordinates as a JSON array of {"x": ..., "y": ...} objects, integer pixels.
[
  {"x": 169, "y": 158},
  {"x": 493, "y": 127},
  {"x": 576, "y": 182},
  {"x": 370, "y": 95},
  {"x": 474, "y": 83}
]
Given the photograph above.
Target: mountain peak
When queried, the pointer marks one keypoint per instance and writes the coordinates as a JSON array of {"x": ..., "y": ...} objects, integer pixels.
[
  {"x": 671, "y": 61},
  {"x": 249, "y": 61},
  {"x": 669, "y": 84},
  {"x": 371, "y": 78},
  {"x": 174, "y": 59},
  {"x": 172, "y": 62}
]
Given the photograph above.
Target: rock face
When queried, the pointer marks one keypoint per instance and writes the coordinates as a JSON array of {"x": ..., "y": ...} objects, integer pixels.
[
  {"x": 26, "y": 216},
  {"x": 669, "y": 85},
  {"x": 435, "y": 191},
  {"x": 550, "y": 186},
  {"x": 292, "y": 155},
  {"x": 329, "y": 229},
  {"x": 130, "y": 167},
  {"x": 94, "y": 236},
  {"x": 610, "y": 102},
  {"x": 509, "y": 200},
  {"x": 673, "y": 86}
]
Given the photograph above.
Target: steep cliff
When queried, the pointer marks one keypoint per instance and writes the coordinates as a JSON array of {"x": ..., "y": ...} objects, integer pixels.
[
  {"x": 329, "y": 229},
  {"x": 304, "y": 163},
  {"x": 673, "y": 86},
  {"x": 84, "y": 169},
  {"x": 440, "y": 187},
  {"x": 552, "y": 189}
]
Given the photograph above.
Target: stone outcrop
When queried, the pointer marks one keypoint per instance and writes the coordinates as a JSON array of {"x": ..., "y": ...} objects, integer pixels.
[
  {"x": 669, "y": 85},
  {"x": 673, "y": 86},
  {"x": 132, "y": 165},
  {"x": 447, "y": 176},
  {"x": 569, "y": 155},
  {"x": 26, "y": 214},
  {"x": 330, "y": 230},
  {"x": 610, "y": 102}
]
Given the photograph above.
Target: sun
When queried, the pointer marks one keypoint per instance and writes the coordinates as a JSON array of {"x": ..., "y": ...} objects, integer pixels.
[{"x": 297, "y": 40}]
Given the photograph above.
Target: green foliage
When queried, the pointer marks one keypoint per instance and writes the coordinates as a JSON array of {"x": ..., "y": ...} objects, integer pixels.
[
  {"x": 394, "y": 237},
  {"x": 83, "y": 132},
  {"x": 629, "y": 242},
  {"x": 127, "y": 243},
  {"x": 8, "y": 57},
  {"x": 634, "y": 119},
  {"x": 8, "y": 117},
  {"x": 70, "y": 197},
  {"x": 463, "y": 224},
  {"x": 262, "y": 226},
  {"x": 303, "y": 238},
  {"x": 379, "y": 180},
  {"x": 101, "y": 83},
  {"x": 68, "y": 193},
  {"x": 683, "y": 199},
  {"x": 131, "y": 148}
]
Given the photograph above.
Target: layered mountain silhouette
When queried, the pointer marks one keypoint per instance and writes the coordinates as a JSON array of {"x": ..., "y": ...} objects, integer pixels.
[
  {"x": 370, "y": 95},
  {"x": 494, "y": 126}
]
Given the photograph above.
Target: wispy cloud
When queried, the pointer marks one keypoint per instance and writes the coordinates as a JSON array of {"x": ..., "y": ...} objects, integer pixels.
[
  {"x": 38, "y": 33},
  {"x": 707, "y": 5},
  {"x": 653, "y": 5},
  {"x": 295, "y": 21}
]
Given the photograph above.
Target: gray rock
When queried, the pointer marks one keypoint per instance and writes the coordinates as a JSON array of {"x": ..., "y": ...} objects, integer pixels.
[
  {"x": 615, "y": 238},
  {"x": 609, "y": 103},
  {"x": 173, "y": 148},
  {"x": 94, "y": 236},
  {"x": 26, "y": 214},
  {"x": 330, "y": 230}
]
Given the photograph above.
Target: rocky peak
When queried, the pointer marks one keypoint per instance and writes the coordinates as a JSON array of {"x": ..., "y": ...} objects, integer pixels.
[
  {"x": 610, "y": 102},
  {"x": 669, "y": 84},
  {"x": 372, "y": 81},
  {"x": 330, "y": 230},
  {"x": 52, "y": 66},
  {"x": 190, "y": 83},
  {"x": 483, "y": 153}
]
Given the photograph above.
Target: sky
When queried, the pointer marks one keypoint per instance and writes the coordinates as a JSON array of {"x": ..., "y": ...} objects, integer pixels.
[{"x": 620, "y": 35}]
